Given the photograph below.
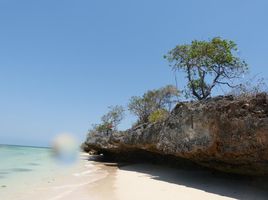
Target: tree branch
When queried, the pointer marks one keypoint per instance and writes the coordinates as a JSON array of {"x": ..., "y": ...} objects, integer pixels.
[
  {"x": 226, "y": 83},
  {"x": 191, "y": 84}
]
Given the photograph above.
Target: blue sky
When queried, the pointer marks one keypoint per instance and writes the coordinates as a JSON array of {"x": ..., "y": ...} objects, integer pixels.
[{"x": 62, "y": 63}]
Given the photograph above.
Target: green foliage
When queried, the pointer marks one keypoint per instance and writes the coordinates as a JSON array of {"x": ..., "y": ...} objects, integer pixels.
[
  {"x": 104, "y": 127},
  {"x": 113, "y": 117},
  {"x": 140, "y": 107},
  {"x": 109, "y": 121},
  {"x": 207, "y": 64},
  {"x": 163, "y": 98},
  {"x": 158, "y": 115}
]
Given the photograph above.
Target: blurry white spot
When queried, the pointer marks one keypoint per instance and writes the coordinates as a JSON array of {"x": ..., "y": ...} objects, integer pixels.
[{"x": 65, "y": 149}]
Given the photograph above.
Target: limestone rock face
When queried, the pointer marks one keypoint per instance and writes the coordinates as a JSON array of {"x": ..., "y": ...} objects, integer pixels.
[{"x": 224, "y": 133}]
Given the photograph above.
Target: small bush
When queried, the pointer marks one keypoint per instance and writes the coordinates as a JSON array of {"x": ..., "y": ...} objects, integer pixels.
[
  {"x": 250, "y": 87},
  {"x": 104, "y": 127},
  {"x": 153, "y": 100},
  {"x": 158, "y": 116}
]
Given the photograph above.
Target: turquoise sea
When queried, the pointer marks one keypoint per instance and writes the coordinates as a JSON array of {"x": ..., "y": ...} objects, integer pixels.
[
  {"x": 19, "y": 163},
  {"x": 23, "y": 168},
  {"x": 28, "y": 172}
]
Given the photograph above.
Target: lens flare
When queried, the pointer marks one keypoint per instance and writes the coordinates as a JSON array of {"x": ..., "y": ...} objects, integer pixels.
[{"x": 65, "y": 149}]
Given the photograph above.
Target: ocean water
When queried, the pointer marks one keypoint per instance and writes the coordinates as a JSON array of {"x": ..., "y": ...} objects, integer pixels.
[
  {"x": 19, "y": 164},
  {"x": 23, "y": 168},
  {"x": 16, "y": 160}
]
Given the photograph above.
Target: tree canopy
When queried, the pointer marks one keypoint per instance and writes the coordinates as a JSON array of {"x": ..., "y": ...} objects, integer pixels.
[
  {"x": 152, "y": 100},
  {"x": 207, "y": 64}
]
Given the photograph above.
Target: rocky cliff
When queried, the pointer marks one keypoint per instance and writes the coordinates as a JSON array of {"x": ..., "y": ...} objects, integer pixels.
[{"x": 224, "y": 133}]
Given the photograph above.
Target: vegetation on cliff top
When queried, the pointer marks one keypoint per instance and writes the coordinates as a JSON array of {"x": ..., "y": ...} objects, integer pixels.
[
  {"x": 153, "y": 100},
  {"x": 206, "y": 64},
  {"x": 110, "y": 121}
]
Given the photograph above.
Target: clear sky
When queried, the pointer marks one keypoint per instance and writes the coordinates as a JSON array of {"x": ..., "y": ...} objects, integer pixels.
[{"x": 63, "y": 62}]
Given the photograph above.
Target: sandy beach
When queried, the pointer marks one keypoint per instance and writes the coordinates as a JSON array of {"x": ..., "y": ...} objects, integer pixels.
[
  {"x": 145, "y": 181},
  {"x": 106, "y": 181}
]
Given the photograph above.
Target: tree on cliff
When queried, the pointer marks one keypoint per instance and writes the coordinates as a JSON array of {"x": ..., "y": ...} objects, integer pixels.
[
  {"x": 113, "y": 118},
  {"x": 207, "y": 64},
  {"x": 153, "y": 100},
  {"x": 109, "y": 121}
]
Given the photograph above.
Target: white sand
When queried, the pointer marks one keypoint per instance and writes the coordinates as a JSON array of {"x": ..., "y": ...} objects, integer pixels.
[{"x": 136, "y": 182}]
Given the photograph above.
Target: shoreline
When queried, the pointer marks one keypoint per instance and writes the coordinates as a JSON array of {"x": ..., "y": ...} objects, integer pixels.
[
  {"x": 81, "y": 183},
  {"x": 95, "y": 180},
  {"x": 70, "y": 182}
]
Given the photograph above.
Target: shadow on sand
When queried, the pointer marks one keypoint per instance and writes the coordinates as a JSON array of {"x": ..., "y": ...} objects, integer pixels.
[
  {"x": 233, "y": 186},
  {"x": 228, "y": 185}
]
